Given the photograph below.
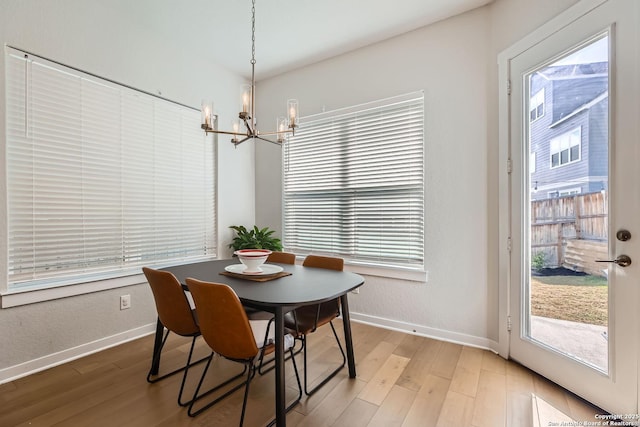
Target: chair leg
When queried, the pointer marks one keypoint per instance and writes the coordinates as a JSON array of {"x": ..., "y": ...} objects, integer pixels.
[
  {"x": 246, "y": 392},
  {"x": 262, "y": 363},
  {"x": 186, "y": 371},
  {"x": 156, "y": 361},
  {"x": 197, "y": 396},
  {"x": 295, "y": 369},
  {"x": 332, "y": 374}
]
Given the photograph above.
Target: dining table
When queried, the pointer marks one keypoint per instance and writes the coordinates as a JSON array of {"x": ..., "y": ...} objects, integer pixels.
[{"x": 293, "y": 287}]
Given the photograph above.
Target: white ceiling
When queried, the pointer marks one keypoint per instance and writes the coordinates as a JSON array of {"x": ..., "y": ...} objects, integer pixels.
[{"x": 289, "y": 33}]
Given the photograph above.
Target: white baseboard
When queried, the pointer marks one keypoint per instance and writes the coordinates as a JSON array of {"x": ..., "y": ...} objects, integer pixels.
[
  {"x": 438, "y": 334},
  {"x": 49, "y": 361}
]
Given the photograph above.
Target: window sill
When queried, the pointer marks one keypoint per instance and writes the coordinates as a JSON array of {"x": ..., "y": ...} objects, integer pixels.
[
  {"x": 24, "y": 297},
  {"x": 413, "y": 275}
]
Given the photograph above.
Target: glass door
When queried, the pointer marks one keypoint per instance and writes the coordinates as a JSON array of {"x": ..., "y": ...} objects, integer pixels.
[
  {"x": 574, "y": 206},
  {"x": 568, "y": 152}
]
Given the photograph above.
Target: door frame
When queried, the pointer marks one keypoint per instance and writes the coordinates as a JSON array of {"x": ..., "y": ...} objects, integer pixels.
[
  {"x": 504, "y": 158},
  {"x": 506, "y": 221}
]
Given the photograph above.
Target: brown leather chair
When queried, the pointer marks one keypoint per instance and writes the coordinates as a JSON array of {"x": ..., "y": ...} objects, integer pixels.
[
  {"x": 307, "y": 319},
  {"x": 175, "y": 313},
  {"x": 227, "y": 330},
  {"x": 281, "y": 258}
]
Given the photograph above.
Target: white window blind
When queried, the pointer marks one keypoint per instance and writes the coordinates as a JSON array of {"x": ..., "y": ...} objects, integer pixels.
[
  {"x": 354, "y": 184},
  {"x": 101, "y": 178}
]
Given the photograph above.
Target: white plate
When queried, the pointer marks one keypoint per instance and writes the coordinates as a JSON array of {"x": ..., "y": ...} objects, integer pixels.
[{"x": 267, "y": 269}]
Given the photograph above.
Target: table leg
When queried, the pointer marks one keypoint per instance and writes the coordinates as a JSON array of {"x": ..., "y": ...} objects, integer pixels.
[
  {"x": 346, "y": 322},
  {"x": 157, "y": 344},
  {"x": 281, "y": 414}
]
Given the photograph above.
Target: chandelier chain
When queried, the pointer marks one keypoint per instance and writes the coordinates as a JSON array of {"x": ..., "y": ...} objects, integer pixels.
[{"x": 253, "y": 32}]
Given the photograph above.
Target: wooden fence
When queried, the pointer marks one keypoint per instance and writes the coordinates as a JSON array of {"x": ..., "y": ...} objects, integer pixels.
[{"x": 558, "y": 220}]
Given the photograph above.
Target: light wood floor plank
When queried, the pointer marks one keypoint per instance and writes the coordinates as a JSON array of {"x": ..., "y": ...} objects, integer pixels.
[
  {"x": 394, "y": 408},
  {"x": 457, "y": 410},
  {"x": 547, "y": 415},
  {"x": 419, "y": 367},
  {"x": 446, "y": 360},
  {"x": 581, "y": 410},
  {"x": 335, "y": 402},
  {"x": 519, "y": 410},
  {"x": 380, "y": 385},
  {"x": 467, "y": 373},
  {"x": 490, "y": 409},
  {"x": 426, "y": 406},
  {"x": 369, "y": 365},
  {"x": 494, "y": 363},
  {"x": 551, "y": 394},
  {"x": 357, "y": 414},
  {"x": 408, "y": 346}
]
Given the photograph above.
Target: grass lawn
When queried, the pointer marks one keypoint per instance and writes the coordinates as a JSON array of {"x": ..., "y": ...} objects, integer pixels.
[{"x": 576, "y": 298}]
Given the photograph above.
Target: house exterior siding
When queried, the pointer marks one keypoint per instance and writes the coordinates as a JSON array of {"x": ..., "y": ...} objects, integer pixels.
[{"x": 570, "y": 102}]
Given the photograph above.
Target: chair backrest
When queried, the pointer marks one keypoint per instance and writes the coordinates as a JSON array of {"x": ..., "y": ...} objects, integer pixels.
[
  {"x": 282, "y": 257},
  {"x": 330, "y": 263},
  {"x": 328, "y": 309},
  {"x": 172, "y": 304},
  {"x": 223, "y": 321}
]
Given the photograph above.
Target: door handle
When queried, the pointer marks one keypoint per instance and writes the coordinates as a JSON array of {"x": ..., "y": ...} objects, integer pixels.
[{"x": 622, "y": 260}]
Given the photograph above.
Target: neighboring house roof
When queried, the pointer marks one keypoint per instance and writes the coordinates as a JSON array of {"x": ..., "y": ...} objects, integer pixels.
[
  {"x": 582, "y": 107},
  {"x": 579, "y": 85}
]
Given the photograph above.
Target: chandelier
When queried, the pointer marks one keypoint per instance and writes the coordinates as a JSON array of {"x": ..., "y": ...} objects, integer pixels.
[{"x": 247, "y": 117}]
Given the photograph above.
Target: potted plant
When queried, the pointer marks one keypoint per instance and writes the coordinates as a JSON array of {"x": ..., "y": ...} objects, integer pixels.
[{"x": 254, "y": 238}]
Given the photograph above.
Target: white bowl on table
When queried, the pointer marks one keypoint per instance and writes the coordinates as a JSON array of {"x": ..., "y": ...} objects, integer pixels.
[{"x": 252, "y": 259}]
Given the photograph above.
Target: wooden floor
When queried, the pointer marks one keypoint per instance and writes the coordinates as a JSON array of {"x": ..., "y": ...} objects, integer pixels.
[{"x": 403, "y": 380}]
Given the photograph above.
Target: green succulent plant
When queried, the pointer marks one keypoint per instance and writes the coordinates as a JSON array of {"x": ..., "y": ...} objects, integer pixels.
[{"x": 254, "y": 238}]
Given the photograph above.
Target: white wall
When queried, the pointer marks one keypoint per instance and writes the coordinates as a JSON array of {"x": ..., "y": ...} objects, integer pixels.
[
  {"x": 454, "y": 61},
  {"x": 101, "y": 38}
]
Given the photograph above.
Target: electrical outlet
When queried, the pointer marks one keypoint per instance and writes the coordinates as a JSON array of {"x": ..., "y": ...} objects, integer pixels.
[{"x": 125, "y": 302}]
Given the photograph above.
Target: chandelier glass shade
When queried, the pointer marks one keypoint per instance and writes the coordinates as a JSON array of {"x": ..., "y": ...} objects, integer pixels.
[{"x": 244, "y": 128}]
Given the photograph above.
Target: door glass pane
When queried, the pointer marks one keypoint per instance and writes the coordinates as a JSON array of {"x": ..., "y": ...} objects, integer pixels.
[{"x": 567, "y": 291}]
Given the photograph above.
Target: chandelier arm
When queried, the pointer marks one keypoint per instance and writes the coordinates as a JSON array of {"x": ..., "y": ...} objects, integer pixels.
[
  {"x": 224, "y": 132},
  {"x": 236, "y": 143},
  {"x": 267, "y": 140},
  {"x": 250, "y": 130},
  {"x": 276, "y": 132}
]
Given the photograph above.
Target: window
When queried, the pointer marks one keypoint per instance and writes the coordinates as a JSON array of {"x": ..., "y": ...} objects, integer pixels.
[
  {"x": 101, "y": 178},
  {"x": 536, "y": 106},
  {"x": 354, "y": 184},
  {"x": 532, "y": 162},
  {"x": 569, "y": 191},
  {"x": 565, "y": 148}
]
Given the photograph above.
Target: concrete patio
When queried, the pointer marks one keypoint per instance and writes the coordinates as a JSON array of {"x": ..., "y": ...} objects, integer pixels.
[{"x": 582, "y": 341}]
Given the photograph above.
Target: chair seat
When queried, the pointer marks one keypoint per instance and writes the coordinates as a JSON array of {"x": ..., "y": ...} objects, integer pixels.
[{"x": 304, "y": 320}]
